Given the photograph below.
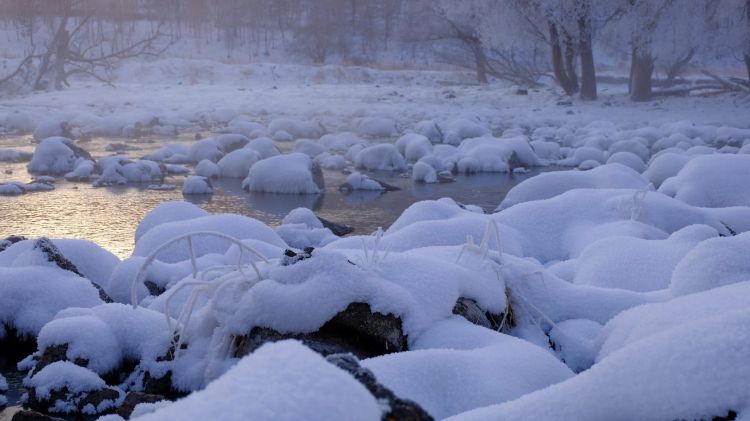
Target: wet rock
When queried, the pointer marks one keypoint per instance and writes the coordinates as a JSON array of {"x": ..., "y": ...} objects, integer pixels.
[
  {"x": 355, "y": 330},
  {"x": 398, "y": 409},
  {"x": 339, "y": 230},
  {"x": 54, "y": 255},
  {"x": 317, "y": 176},
  {"x": 10, "y": 240},
  {"x": 20, "y": 414},
  {"x": 80, "y": 400},
  {"x": 134, "y": 398},
  {"x": 153, "y": 288}
]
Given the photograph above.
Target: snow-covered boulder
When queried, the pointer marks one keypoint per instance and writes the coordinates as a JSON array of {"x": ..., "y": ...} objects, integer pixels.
[
  {"x": 413, "y": 146},
  {"x": 664, "y": 166},
  {"x": 377, "y": 127},
  {"x": 551, "y": 184},
  {"x": 628, "y": 159},
  {"x": 236, "y": 164},
  {"x": 308, "y": 147},
  {"x": 301, "y": 228},
  {"x": 711, "y": 264},
  {"x": 31, "y": 296},
  {"x": 195, "y": 185},
  {"x": 264, "y": 146},
  {"x": 208, "y": 169},
  {"x": 205, "y": 149},
  {"x": 55, "y": 155},
  {"x": 286, "y": 380},
  {"x": 294, "y": 173},
  {"x": 448, "y": 374},
  {"x": 296, "y": 128},
  {"x": 384, "y": 156},
  {"x": 637, "y": 264},
  {"x": 237, "y": 226},
  {"x": 712, "y": 181}
]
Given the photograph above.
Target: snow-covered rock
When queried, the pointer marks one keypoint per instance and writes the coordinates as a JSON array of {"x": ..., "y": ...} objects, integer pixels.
[
  {"x": 294, "y": 173},
  {"x": 384, "y": 156},
  {"x": 712, "y": 181},
  {"x": 195, "y": 185}
]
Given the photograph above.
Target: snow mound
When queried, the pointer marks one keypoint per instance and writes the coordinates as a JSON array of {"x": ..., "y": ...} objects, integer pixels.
[
  {"x": 53, "y": 155},
  {"x": 196, "y": 184},
  {"x": 384, "y": 156},
  {"x": 294, "y": 173},
  {"x": 205, "y": 149},
  {"x": 640, "y": 381},
  {"x": 167, "y": 212},
  {"x": 712, "y": 181},
  {"x": 92, "y": 261},
  {"x": 627, "y": 159},
  {"x": 264, "y": 146},
  {"x": 279, "y": 381},
  {"x": 377, "y": 127},
  {"x": 664, "y": 166},
  {"x": 207, "y": 169},
  {"x": 31, "y": 296},
  {"x": 359, "y": 181},
  {"x": 448, "y": 381},
  {"x": 296, "y": 128},
  {"x": 237, "y": 163},
  {"x": 551, "y": 184},
  {"x": 711, "y": 264},
  {"x": 237, "y": 226},
  {"x": 105, "y": 335},
  {"x": 637, "y": 264}
]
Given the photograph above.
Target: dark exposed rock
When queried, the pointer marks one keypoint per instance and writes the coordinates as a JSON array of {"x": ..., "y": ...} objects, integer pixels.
[
  {"x": 46, "y": 246},
  {"x": 348, "y": 188},
  {"x": 355, "y": 330},
  {"x": 50, "y": 355},
  {"x": 469, "y": 310},
  {"x": 77, "y": 150},
  {"x": 514, "y": 162},
  {"x": 134, "y": 398},
  {"x": 339, "y": 230},
  {"x": 10, "y": 240},
  {"x": 82, "y": 399},
  {"x": 290, "y": 257},
  {"x": 522, "y": 91},
  {"x": 96, "y": 397},
  {"x": 399, "y": 409},
  {"x": 158, "y": 386},
  {"x": 317, "y": 176},
  {"x": 154, "y": 289},
  {"x": 29, "y": 415}
]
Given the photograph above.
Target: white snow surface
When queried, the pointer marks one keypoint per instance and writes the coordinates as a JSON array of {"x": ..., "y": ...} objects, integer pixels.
[
  {"x": 289, "y": 174},
  {"x": 279, "y": 381},
  {"x": 712, "y": 181}
]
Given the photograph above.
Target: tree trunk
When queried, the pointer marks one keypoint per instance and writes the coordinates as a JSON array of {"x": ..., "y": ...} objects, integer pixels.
[
  {"x": 557, "y": 61},
  {"x": 570, "y": 63},
  {"x": 747, "y": 65},
  {"x": 642, "y": 67},
  {"x": 586, "y": 50},
  {"x": 481, "y": 63}
]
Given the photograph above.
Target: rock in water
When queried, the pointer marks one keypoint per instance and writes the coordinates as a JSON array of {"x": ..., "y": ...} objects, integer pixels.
[{"x": 338, "y": 230}]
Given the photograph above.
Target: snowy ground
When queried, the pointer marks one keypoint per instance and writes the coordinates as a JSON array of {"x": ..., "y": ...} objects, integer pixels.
[{"x": 616, "y": 289}]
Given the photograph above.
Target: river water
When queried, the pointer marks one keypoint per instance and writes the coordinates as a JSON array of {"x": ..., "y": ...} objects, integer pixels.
[{"x": 109, "y": 216}]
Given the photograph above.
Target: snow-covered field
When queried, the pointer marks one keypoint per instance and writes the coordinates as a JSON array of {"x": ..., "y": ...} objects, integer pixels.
[{"x": 614, "y": 289}]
